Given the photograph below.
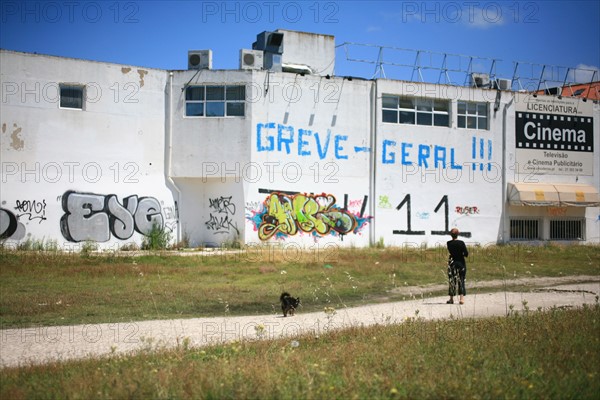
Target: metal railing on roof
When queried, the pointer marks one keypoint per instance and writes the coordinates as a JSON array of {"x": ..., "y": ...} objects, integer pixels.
[{"x": 458, "y": 69}]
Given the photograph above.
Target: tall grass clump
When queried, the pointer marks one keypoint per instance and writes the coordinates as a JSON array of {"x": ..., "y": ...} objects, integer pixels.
[{"x": 157, "y": 239}]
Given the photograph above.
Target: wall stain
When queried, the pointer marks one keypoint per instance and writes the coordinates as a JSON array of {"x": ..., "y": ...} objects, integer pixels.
[
  {"x": 16, "y": 142},
  {"x": 125, "y": 70},
  {"x": 142, "y": 73},
  {"x": 4, "y": 128}
]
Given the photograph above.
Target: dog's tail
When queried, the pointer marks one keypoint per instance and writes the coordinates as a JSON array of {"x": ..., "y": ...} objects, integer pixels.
[{"x": 284, "y": 295}]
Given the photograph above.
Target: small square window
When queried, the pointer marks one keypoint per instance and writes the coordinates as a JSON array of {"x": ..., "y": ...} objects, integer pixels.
[
  {"x": 441, "y": 120},
  {"x": 441, "y": 105},
  {"x": 236, "y": 93},
  {"x": 424, "y": 105},
  {"x": 407, "y": 117},
  {"x": 390, "y": 116},
  {"x": 194, "y": 109},
  {"x": 71, "y": 96},
  {"x": 389, "y": 101},
  {"x": 424, "y": 119},
  {"x": 407, "y": 102},
  {"x": 235, "y": 109},
  {"x": 215, "y": 93},
  {"x": 195, "y": 93},
  {"x": 216, "y": 109}
]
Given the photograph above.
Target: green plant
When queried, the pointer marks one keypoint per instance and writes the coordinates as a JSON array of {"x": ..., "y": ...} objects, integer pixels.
[
  {"x": 379, "y": 244},
  {"x": 88, "y": 247},
  {"x": 157, "y": 239}
]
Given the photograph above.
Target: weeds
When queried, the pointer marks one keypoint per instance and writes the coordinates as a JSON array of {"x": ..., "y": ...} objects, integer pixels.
[
  {"x": 157, "y": 239},
  {"x": 538, "y": 355}
]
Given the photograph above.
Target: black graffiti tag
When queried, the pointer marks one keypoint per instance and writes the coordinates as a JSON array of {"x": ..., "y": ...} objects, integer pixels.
[{"x": 33, "y": 209}]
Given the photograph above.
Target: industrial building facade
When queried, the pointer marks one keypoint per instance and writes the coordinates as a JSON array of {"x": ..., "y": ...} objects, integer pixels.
[{"x": 283, "y": 151}]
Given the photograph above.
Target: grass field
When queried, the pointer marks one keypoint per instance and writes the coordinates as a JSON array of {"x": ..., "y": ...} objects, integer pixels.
[
  {"x": 528, "y": 355},
  {"x": 532, "y": 355},
  {"x": 53, "y": 288}
]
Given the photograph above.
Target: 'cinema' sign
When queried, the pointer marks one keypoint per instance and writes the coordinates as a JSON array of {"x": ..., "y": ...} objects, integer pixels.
[{"x": 554, "y": 136}]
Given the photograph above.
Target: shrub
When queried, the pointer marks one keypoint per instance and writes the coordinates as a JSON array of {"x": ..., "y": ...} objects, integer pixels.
[{"x": 157, "y": 239}]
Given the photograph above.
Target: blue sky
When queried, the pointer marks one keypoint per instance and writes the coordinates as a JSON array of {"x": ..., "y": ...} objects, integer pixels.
[{"x": 158, "y": 34}]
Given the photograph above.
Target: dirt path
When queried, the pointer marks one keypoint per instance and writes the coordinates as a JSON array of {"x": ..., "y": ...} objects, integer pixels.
[{"x": 45, "y": 344}]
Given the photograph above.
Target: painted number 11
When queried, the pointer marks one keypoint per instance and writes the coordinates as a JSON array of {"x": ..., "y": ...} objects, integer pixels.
[{"x": 443, "y": 202}]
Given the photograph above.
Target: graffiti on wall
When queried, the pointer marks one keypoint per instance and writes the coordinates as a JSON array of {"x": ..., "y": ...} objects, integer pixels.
[
  {"x": 10, "y": 227},
  {"x": 436, "y": 156},
  {"x": 34, "y": 210},
  {"x": 89, "y": 216},
  {"x": 286, "y": 214},
  {"x": 467, "y": 210},
  {"x": 171, "y": 214},
  {"x": 406, "y": 204},
  {"x": 222, "y": 209},
  {"x": 273, "y": 137}
]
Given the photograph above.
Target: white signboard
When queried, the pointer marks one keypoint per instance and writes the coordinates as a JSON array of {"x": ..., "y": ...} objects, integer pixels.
[{"x": 554, "y": 136}]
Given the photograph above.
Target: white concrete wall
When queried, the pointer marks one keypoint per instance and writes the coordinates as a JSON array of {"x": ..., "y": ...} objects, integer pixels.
[
  {"x": 315, "y": 50},
  {"x": 419, "y": 200},
  {"x": 311, "y": 163},
  {"x": 311, "y": 142},
  {"x": 66, "y": 174}
]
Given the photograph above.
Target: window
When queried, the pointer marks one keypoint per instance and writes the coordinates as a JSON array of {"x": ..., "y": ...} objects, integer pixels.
[
  {"x": 524, "y": 229},
  {"x": 472, "y": 115},
  {"x": 215, "y": 101},
  {"x": 71, "y": 96},
  {"x": 415, "y": 111},
  {"x": 568, "y": 229}
]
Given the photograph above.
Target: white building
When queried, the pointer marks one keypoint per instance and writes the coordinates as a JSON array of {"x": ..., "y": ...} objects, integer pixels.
[{"x": 283, "y": 151}]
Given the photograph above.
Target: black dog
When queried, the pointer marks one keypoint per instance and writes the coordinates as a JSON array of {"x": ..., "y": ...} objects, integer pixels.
[{"x": 288, "y": 303}]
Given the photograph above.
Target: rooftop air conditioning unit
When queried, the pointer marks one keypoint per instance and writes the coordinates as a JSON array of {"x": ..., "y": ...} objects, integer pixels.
[
  {"x": 480, "y": 80},
  {"x": 251, "y": 59},
  {"x": 503, "y": 84},
  {"x": 200, "y": 59}
]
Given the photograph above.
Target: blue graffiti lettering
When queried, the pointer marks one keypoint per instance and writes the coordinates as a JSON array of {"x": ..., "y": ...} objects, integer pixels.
[
  {"x": 424, "y": 155},
  {"x": 285, "y": 139}
]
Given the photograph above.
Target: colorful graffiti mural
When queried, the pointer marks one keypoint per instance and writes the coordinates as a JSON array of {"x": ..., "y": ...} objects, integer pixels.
[{"x": 285, "y": 214}]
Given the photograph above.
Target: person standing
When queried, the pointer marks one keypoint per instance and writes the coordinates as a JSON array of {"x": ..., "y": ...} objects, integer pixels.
[{"x": 457, "y": 267}]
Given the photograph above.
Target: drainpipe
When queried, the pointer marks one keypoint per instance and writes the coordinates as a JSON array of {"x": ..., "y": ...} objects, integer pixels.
[
  {"x": 373, "y": 163},
  {"x": 168, "y": 152},
  {"x": 504, "y": 216}
]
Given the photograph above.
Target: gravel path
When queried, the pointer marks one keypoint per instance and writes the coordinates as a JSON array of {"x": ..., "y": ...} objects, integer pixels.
[{"x": 45, "y": 344}]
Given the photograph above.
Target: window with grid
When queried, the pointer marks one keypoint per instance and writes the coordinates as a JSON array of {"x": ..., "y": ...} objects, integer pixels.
[
  {"x": 472, "y": 115},
  {"x": 71, "y": 96},
  {"x": 567, "y": 229},
  {"x": 524, "y": 229},
  {"x": 415, "y": 111},
  {"x": 215, "y": 101}
]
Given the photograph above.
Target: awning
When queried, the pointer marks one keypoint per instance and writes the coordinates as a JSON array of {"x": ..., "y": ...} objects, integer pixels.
[
  {"x": 548, "y": 194},
  {"x": 578, "y": 195}
]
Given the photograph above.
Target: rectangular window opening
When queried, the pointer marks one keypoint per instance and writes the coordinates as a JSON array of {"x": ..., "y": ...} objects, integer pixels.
[
  {"x": 472, "y": 115},
  {"x": 567, "y": 229},
  {"x": 215, "y": 101},
  {"x": 71, "y": 96},
  {"x": 524, "y": 229},
  {"x": 415, "y": 111}
]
